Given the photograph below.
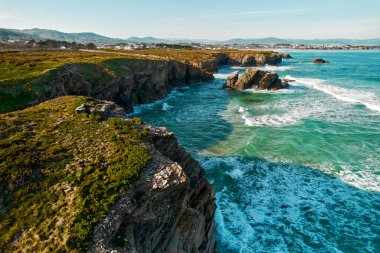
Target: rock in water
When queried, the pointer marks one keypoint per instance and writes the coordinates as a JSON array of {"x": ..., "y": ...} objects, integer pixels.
[
  {"x": 231, "y": 79},
  {"x": 319, "y": 61},
  {"x": 286, "y": 56},
  {"x": 255, "y": 79}
]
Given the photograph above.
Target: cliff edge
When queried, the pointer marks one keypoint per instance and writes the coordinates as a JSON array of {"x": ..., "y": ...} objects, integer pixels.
[{"x": 73, "y": 177}]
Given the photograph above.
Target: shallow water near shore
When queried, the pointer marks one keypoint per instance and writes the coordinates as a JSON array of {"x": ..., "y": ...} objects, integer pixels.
[{"x": 295, "y": 170}]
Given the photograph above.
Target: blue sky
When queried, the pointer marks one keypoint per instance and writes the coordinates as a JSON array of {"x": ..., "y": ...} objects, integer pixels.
[{"x": 199, "y": 19}]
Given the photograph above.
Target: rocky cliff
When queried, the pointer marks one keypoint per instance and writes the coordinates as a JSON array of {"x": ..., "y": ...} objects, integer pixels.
[
  {"x": 74, "y": 178},
  {"x": 126, "y": 82},
  {"x": 126, "y": 79},
  {"x": 240, "y": 58},
  {"x": 170, "y": 208}
]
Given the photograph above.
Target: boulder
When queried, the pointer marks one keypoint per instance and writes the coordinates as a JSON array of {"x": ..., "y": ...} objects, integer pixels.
[
  {"x": 268, "y": 80},
  {"x": 232, "y": 79},
  {"x": 248, "y": 60},
  {"x": 319, "y": 61},
  {"x": 286, "y": 56},
  {"x": 256, "y": 79},
  {"x": 105, "y": 109}
]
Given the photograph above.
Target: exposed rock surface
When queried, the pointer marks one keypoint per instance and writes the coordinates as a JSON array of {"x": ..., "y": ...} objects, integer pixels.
[
  {"x": 249, "y": 59},
  {"x": 286, "y": 56},
  {"x": 319, "y": 61},
  {"x": 256, "y": 79},
  {"x": 232, "y": 79},
  {"x": 105, "y": 109},
  {"x": 245, "y": 59},
  {"x": 137, "y": 82},
  {"x": 170, "y": 208}
]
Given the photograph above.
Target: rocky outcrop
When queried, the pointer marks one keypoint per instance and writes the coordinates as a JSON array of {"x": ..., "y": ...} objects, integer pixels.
[
  {"x": 251, "y": 59},
  {"x": 319, "y": 61},
  {"x": 286, "y": 56},
  {"x": 256, "y": 79},
  {"x": 232, "y": 79},
  {"x": 170, "y": 208},
  {"x": 245, "y": 59},
  {"x": 104, "y": 109},
  {"x": 133, "y": 82}
]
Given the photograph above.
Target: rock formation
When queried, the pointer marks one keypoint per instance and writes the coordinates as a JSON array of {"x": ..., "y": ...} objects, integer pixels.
[
  {"x": 173, "y": 208},
  {"x": 170, "y": 208},
  {"x": 232, "y": 79},
  {"x": 245, "y": 59},
  {"x": 256, "y": 79},
  {"x": 249, "y": 59},
  {"x": 319, "y": 61},
  {"x": 104, "y": 109},
  {"x": 88, "y": 164},
  {"x": 137, "y": 82},
  {"x": 286, "y": 56}
]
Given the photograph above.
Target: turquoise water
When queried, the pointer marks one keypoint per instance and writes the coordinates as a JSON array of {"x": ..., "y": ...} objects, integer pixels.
[{"x": 295, "y": 170}]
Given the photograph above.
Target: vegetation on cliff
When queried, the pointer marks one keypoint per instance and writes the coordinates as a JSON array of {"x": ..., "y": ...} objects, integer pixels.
[
  {"x": 29, "y": 77},
  {"x": 61, "y": 172}
]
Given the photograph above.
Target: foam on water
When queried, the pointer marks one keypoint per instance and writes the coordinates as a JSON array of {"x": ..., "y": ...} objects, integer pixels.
[
  {"x": 166, "y": 106},
  {"x": 238, "y": 67},
  {"x": 275, "y": 68},
  {"x": 222, "y": 76},
  {"x": 368, "y": 99},
  {"x": 271, "y": 207},
  {"x": 137, "y": 109},
  {"x": 281, "y": 91},
  {"x": 287, "y": 112}
]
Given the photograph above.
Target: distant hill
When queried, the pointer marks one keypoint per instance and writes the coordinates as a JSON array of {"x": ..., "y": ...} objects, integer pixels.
[
  {"x": 269, "y": 40},
  {"x": 43, "y": 34},
  {"x": 8, "y": 34},
  {"x": 87, "y": 37}
]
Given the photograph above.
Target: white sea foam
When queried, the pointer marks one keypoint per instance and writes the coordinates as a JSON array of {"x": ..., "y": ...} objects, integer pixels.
[
  {"x": 272, "y": 206},
  {"x": 221, "y": 76},
  {"x": 275, "y": 68},
  {"x": 293, "y": 118},
  {"x": 137, "y": 109},
  {"x": 166, "y": 107},
  {"x": 368, "y": 99},
  {"x": 235, "y": 173},
  {"x": 242, "y": 109},
  {"x": 281, "y": 91},
  {"x": 238, "y": 67}
]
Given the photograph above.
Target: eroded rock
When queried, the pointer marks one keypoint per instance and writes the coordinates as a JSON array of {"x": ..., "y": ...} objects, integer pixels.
[
  {"x": 319, "y": 61},
  {"x": 173, "y": 208},
  {"x": 256, "y": 79},
  {"x": 105, "y": 109}
]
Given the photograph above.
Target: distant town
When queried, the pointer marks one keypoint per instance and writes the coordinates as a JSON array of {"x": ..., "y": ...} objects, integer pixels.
[{"x": 64, "y": 45}]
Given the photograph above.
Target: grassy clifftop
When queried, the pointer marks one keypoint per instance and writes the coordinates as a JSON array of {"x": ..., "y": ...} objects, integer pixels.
[
  {"x": 60, "y": 173},
  {"x": 28, "y": 77}
]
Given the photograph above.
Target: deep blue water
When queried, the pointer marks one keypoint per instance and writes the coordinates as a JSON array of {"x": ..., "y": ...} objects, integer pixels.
[{"x": 295, "y": 170}]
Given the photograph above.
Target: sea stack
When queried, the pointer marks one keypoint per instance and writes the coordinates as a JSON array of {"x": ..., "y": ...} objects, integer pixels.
[
  {"x": 255, "y": 79},
  {"x": 319, "y": 61}
]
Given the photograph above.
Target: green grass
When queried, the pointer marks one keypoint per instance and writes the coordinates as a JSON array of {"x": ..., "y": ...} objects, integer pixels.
[
  {"x": 28, "y": 76},
  {"x": 60, "y": 173}
]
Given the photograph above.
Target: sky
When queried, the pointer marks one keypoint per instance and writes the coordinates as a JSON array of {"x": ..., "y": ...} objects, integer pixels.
[{"x": 199, "y": 19}]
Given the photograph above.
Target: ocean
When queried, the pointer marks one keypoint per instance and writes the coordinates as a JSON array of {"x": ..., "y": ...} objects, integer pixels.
[{"x": 295, "y": 170}]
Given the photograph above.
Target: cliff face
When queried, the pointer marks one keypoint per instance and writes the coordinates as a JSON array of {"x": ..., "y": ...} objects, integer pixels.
[
  {"x": 127, "y": 82},
  {"x": 245, "y": 59},
  {"x": 172, "y": 206},
  {"x": 74, "y": 178},
  {"x": 131, "y": 82}
]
